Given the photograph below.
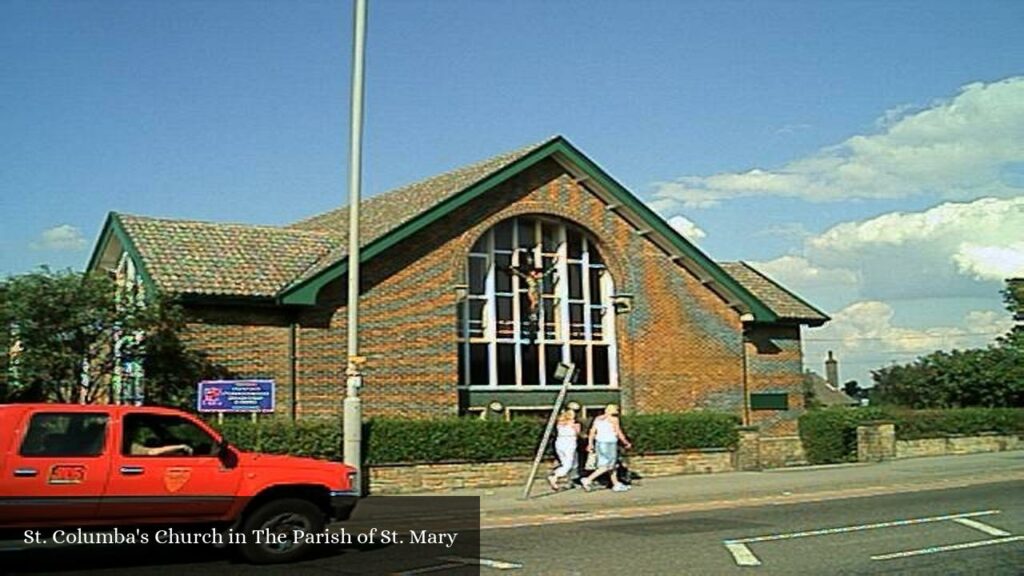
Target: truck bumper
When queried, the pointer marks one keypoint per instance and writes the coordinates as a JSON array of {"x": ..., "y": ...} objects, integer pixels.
[{"x": 342, "y": 504}]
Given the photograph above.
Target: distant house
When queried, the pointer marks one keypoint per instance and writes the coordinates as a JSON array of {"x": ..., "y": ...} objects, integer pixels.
[
  {"x": 817, "y": 390},
  {"x": 475, "y": 284}
]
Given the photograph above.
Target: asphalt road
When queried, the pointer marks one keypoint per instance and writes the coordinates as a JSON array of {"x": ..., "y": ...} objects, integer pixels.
[
  {"x": 970, "y": 530},
  {"x": 833, "y": 537}
]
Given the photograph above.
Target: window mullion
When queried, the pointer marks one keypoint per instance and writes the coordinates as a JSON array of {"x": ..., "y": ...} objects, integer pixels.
[
  {"x": 517, "y": 325},
  {"x": 587, "y": 332},
  {"x": 491, "y": 331},
  {"x": 608, "y": 316},
  {"x": 562, "y": 292}
]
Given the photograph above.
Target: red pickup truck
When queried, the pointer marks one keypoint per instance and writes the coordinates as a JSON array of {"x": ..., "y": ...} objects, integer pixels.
[{"x": 65, "y": 467}]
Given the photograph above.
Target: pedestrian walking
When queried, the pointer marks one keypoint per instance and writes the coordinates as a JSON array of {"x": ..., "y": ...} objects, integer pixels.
[
  {"x": 565, "y": 446},
  {"x": 605, "y": 435}
]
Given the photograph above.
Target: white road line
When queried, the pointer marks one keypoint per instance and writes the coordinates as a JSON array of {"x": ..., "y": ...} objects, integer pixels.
[
  {"x": 937, "y": 549},
  {"x": 742, "y": 554},
  {"x": 990, "y": 530},
  {"x": 496, "y": 564},
  {"x": 429, "y": 569},
  {"x": 861, "y": 527}
]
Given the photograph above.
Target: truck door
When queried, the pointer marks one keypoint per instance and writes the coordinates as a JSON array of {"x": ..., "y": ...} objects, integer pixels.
[
  {"x": 57, "y": 469},
  {"x": 167, "y": 469}
]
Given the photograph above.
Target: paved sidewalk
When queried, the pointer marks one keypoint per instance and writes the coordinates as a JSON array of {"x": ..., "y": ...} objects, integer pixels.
[{"x": 504, "y": 507}]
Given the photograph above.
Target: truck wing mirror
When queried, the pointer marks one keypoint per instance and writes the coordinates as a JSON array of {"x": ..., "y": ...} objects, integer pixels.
[{"x": 227, "y": 454}]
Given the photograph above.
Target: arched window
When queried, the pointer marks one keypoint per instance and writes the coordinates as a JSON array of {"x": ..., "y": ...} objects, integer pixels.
[{"x": 538, "y": 294}]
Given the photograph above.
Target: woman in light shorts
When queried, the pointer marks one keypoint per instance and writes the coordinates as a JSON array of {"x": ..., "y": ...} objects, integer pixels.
[
  {"x": 565, "y": 445},
  {"x": 604, "y": 438}
]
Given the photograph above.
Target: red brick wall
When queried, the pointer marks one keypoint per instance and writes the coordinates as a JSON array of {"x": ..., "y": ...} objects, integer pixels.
[
  {"x": 775, "y": 364},
  {"x": 246, "y": 343},
  {"x": 681, "y": 347}
]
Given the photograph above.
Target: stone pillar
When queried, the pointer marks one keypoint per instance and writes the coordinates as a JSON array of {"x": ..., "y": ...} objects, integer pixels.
[
  {"x": 876, "y": 441},
  {"x": 748, "y": 450}
]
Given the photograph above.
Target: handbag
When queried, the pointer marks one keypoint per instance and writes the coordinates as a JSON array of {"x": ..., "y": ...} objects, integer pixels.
[{"x": 591, "y": 463}]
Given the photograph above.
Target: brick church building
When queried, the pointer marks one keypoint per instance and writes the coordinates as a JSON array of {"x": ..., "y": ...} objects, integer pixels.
[{"x": 475, "y": 284}]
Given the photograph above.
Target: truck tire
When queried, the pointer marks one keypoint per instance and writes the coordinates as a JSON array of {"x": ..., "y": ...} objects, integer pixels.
[{"x": 279, "y": 517}]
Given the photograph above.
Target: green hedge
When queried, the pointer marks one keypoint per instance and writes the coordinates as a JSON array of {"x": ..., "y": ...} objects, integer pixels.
[
  {"x": 388, "y": 441},
  {"x": 452, "y": 439},
  {"x": 830, "y": 436},
  {"x": 313, "y": 438},
  {"x": 916, "y": 424},
  {"x": 661, "y": 432}
]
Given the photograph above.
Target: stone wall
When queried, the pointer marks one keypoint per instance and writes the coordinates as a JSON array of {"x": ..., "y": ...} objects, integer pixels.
[
  {"x": 876, "y": 442},
  {"x": 401, "y": 479},
  {"x": 957, "y": 445},
  {"x": 781, "y": 451},
  {"x": 686, "y": 462}
]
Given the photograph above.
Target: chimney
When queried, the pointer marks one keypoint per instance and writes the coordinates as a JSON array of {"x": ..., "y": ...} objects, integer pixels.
[{"x": 832, "y": 371}]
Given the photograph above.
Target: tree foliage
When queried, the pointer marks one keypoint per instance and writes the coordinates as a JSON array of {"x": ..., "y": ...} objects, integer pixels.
[
  {"x": 988, "y": 377},
  {"x": 61, "y": 329}
]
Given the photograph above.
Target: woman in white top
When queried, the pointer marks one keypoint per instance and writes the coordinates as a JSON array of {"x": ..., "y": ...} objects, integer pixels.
[
  {"x": 605, "y": 435},
  {"x": 565, "y": 445}
]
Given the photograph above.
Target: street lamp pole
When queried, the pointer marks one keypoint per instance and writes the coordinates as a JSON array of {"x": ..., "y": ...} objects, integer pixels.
[{"x": 353, "y": 410}]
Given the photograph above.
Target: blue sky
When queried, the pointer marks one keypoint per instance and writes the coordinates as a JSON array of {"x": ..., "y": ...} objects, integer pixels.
[{"x": 870, "y": 155}]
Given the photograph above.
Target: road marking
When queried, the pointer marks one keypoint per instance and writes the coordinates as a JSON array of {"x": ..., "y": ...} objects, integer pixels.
[
  {"x": 990, "y": 530},
  {"x": 496, "y": 564},
  {"x": 937, "y": 549},
  {"x": 742, "y": 554},
  {"x": 429, "y": 569},
  {"x": 745, "y": 557},
  {"x": 861, "y": 527}
]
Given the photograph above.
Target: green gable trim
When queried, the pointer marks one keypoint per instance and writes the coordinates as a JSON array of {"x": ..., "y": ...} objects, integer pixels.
[
  {"x": 761, "y": 312},
  {"x": 305, "y": 293},
  {"x": 114, "y": 228}
]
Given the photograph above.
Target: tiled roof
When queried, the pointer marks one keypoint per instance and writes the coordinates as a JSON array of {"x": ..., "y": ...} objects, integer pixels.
[
  {"x": 385, "y": 212},
  {"x": 188, "y": 257},
  {"x": 824, "y": 393},
  {"x": 782, "y": 302}
]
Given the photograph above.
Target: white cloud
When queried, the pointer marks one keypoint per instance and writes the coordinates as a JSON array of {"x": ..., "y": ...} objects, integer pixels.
[
  {"x": 954, "y": 249},
  {"x": 792, "y": 129},
  {"x": 687, "y": 228},
  {"x": 923, "y": 265},
  {"x": 63, "y": 238},
  {"x": 864, "y": 337},
  {"x": 958, "y": 149},
  {"x": 791, "y": 230},
  {"x": 796, "y": 273},
  {"x": 991, "y": 262}
]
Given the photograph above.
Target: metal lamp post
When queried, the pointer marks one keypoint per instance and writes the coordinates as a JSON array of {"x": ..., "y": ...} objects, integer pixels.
[{"x": 353, "y": 410}]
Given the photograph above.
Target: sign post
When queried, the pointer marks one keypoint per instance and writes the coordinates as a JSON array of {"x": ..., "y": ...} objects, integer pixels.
[{"x": 567, "y": 373}]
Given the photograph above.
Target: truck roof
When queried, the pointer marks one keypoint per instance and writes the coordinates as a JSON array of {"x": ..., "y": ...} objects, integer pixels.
[{"x": 20, "y": 406}]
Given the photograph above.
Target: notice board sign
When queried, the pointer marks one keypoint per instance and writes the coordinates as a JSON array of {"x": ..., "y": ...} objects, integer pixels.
[{"x": 236, "y": 396}]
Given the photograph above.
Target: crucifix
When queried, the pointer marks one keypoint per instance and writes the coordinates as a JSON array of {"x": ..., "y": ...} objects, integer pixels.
[{"x": 533, "y": 277}]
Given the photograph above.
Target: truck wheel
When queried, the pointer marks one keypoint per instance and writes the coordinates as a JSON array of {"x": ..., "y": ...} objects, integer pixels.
[{"x": 269, "y": 530}]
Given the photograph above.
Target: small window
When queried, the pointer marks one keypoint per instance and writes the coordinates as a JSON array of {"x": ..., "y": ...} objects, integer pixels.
[
  {"x": 157, "y": 435},
  {"x": 56, "y": 434}
]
